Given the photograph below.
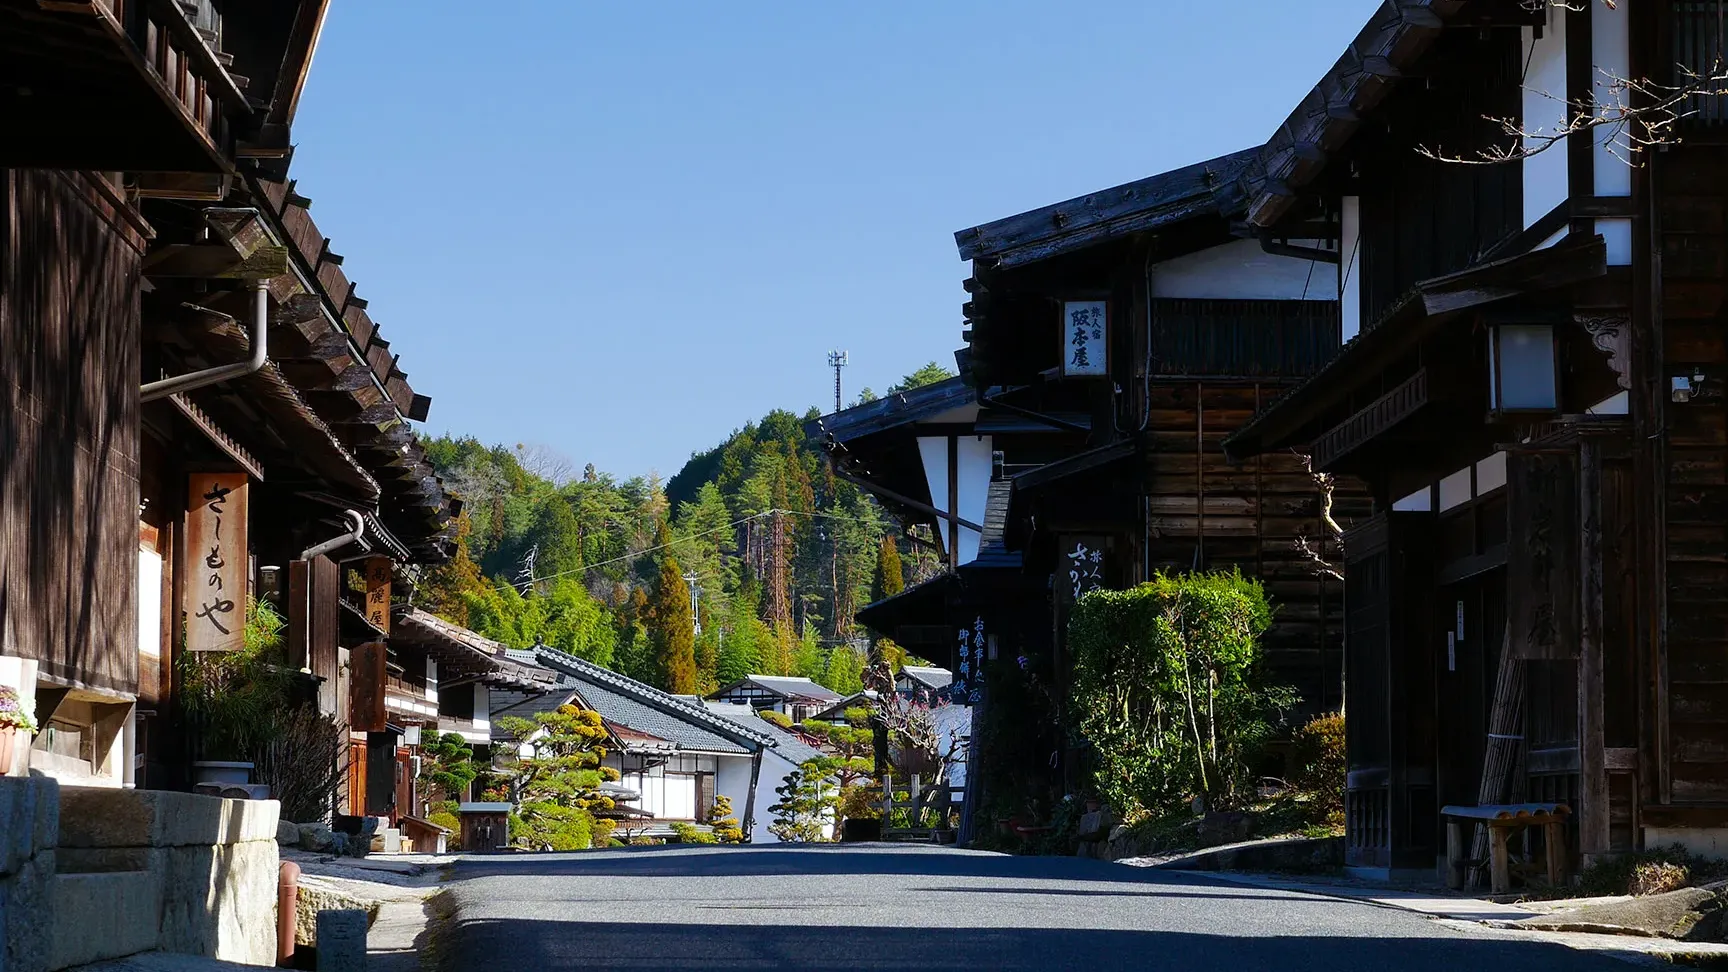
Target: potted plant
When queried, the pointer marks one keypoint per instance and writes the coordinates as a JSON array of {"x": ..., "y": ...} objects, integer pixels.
[
  {"x": 13, "y": 720},
  {"x": 235, "y": 702}
]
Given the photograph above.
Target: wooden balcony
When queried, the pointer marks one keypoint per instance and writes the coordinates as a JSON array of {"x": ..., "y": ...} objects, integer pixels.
[{"x": 116, "y": 85}]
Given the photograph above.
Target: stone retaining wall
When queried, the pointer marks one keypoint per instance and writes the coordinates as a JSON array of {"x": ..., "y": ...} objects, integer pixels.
[{"x": 88, "y": 874}]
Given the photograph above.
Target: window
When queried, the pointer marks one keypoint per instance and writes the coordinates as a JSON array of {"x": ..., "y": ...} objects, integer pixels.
[{"x": 1522, "y": 374}]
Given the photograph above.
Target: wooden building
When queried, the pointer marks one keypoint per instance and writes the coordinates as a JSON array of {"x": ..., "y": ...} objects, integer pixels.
[
  {"x": 1534, "y": 395},
  {"x": 198, "y": 408}
]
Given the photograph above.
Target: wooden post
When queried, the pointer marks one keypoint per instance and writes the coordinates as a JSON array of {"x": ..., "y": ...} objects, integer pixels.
[
  {"x": 1500, "y": 866},
  {"x": 1593, "y": 808},
  {"x": 1455, "y": 851},
  {"x": 1554, "y": 836}
]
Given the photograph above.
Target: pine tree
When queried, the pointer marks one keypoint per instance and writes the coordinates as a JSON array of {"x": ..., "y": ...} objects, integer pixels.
[
  {"x": 671, "y": 626},
  {"x": 890, "y": 579},
  {"x": 723, "y": 822}
]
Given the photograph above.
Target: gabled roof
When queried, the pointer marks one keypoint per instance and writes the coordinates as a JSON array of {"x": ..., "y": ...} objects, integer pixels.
[
  {"x": 625, "y": 701},
  {"x": 893, "y": 410},
  {"x": 1395, "y": 37},
  {"x": 785, "y": 743},
  {"x": 928, "y": 676},
  {"x": 785, "y": 686},
  {"x": 1204, "y": 188},
  {"x": 463, "y": 653}
]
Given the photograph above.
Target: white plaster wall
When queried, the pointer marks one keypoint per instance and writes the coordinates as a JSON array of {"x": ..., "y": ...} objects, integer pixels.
[
  {"x": 1241, "y": 270},
  {"x": 732, "y": 780},
  {"x": 1350, "y": 266},
  {"x": 974, "y": 484},
  {"x": 1702, "y": 841},
  {"x": 1545, "y": 111},
  {"x": 1611, "y": 55},
  {"x": 1617, "y": 234}
]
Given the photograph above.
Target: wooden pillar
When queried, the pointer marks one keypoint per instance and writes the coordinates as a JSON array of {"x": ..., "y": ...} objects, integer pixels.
[{"x": 1592, "y": 765}]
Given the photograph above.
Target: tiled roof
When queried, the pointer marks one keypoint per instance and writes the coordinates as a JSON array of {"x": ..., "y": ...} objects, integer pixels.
[
  {"x": 929, "y": 676},
  {"x": 786, "y": 685},
  {"x": 785, "y": 743},
  {"x": 647, "y": 709}
]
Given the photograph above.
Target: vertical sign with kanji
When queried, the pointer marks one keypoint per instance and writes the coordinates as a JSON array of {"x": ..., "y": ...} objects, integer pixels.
[
  {"x": 1542, "y": 559},
  {"x": 968, "y": 687},
  {"x": 216, "y": 560},
  {"x": 1082, "y": 569},
  {"x": 378, "y": 572},
  {"x": 1085, "y": 338}
]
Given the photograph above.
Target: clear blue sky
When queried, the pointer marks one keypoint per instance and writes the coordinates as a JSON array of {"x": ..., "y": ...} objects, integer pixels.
[{"x": 622, "y": 230}]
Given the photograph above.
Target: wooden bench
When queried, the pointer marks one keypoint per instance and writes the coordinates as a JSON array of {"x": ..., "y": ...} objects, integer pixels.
[{"x": 1501, "y": 820}]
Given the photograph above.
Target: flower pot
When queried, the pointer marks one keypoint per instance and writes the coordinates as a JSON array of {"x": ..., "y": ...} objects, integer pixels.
[
  {"x": 8, "y": 742},
  {"x": 217, "y": 771}
]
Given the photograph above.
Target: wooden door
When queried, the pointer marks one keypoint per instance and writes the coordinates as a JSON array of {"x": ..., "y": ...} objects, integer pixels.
[
  {"x": 404, "y": 784},
  {"x": 356, "y": 797}
]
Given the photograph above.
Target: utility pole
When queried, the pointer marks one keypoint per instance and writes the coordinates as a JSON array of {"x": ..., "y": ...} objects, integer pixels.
[
  {"x": 695, "y": 597},
  {"x": 837, "y": 360}
]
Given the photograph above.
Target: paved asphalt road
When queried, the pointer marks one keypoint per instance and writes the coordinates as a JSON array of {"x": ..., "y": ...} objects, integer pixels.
[{"x": 929, "y": 910}]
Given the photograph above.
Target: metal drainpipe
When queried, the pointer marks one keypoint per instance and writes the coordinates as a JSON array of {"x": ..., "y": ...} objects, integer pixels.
[
  {"x": 317, "y": 549},
  {"x": 210, "y": 376}
]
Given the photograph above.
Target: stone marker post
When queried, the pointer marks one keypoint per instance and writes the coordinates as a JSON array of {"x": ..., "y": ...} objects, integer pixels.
[{"x": 342, "y": 940}]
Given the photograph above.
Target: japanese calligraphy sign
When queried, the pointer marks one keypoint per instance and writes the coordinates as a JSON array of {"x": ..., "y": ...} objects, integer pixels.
[
  {"x": 1081, "y": 568},
  {"x": 367, "y": 677},
  {"x": 216, "y": 561},
  {"x": 1085, "y": 338},
  {"x": 1542, "y": 559},
  {"x": 968, "y": 687},
  {"x": 378, "y": 573}
]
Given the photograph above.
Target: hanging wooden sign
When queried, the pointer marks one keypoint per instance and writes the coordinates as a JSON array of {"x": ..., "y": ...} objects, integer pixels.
[
  {"x": 1542, "y": 554},
  {"x": 1085, "y": 338},
  {"x": 216, "y": 559},
  {"x": 1081, "y": 567},
  {"x": 378, "y": 573}
]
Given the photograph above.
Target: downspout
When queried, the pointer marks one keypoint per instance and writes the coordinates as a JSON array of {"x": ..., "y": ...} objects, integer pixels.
[
  {"x": 750, "y": 803},
  {"x": 319, "y": 549},
  {"x": 334, "y": 543},
  {"x": 209, "y": 376}
]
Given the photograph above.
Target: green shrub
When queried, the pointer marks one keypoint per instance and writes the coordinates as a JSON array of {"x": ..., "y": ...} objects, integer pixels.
[
  {"x": 780, "y": 719},
  {"x": 450, "y": 822},
  {"x": 690, "y": 834},
  {"x": 1317, "y": 747},
  {"x": 1166, "y": 690},
  {"x": 1651, "y": 871},
  {"x": 724, "y": 822}
]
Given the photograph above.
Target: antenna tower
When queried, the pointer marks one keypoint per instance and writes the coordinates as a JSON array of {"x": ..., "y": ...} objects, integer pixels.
[{"x": 837, "y": 360}]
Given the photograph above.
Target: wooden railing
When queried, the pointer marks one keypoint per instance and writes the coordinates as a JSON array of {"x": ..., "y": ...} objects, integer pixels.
[{"x": 1388, "y": 410}]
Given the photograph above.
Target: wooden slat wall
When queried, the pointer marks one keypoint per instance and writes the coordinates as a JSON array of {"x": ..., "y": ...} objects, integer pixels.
[
  {"x": 314, "y": 625},
  {"x": 1206, "y": 512},
  {"x": 69, "y": 375},
  {"x": 1694, "y": 261}
]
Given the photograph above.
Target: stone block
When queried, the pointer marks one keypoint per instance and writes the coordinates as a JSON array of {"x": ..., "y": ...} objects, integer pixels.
[
  {"x": 100, "y": 817},
  {"x": 103, "y": 916},
  {"x": 220, "y": 901},
  {"x": 101, "y": 860},
  {"x": 342, "y": 941},
  {"x": 1095, "y": 825},
  {"x": 29, "y": 819},
  {"x": 315, "y": 897},
  {"x": 287, "y": 832},
  {"x": 26, "y": 902},
  {"x": 316, "y": 837}
]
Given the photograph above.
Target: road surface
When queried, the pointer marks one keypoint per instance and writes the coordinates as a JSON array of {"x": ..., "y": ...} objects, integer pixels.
[{"x": 926, "y": 909}]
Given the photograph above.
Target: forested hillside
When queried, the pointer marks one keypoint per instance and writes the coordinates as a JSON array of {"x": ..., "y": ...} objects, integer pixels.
[{"x": 756, "y": 535}]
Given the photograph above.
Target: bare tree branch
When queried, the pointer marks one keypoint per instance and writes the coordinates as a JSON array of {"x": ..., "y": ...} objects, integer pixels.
[
  {"x": 1314, "y": 553},
  {"x": 1634, "y": 113}
]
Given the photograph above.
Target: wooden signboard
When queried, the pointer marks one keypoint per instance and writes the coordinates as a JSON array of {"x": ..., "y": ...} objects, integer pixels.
[
  {"x": 1542, "y": 554},
  {"x": 366, "y": 682},
  {"x": 216, "y": 561},
  {"x": 1081, "y": 566},
  {"x": 378, "y": 572},
  {"x": 1085, "y": 338}
]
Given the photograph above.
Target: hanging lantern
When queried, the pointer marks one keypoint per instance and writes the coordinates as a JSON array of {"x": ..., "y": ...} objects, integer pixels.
[{"x": 1523, "y": 366}]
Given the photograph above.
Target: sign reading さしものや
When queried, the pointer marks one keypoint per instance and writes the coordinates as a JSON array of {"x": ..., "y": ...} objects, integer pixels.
[
  {"x": 216, "y": 561},
  {"x": 1085, "y": 338}
]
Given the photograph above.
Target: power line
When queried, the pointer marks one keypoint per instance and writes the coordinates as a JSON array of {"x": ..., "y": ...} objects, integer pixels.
[{"x": 733, "y": 526}]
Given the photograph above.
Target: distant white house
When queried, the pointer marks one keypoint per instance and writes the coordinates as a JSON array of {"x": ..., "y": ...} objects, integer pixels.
[
  {"x": 785, "y": 755},
  {"x": 671, "y": 751},
  {"x": 923, "y": 682},
  {"x": 796, "y": 698}
]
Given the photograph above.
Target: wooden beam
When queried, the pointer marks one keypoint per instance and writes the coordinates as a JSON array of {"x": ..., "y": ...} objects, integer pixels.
[{"x": 1593, "y": 800}]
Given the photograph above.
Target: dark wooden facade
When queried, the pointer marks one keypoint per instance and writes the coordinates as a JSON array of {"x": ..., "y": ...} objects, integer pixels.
[
  {"x": 144, "y": 205},
  {"x": 1574, "y": 539}
]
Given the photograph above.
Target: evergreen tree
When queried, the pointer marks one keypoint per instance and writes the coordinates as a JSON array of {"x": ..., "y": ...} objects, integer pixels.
[
  {"x": 724, "y": 823},
  {"x": 670, "y": 625},
  {"x": 890, "y": 580},
  {"x": 806, "y": 802},
  {"x": 807, "y": 658},
  {"x": 447, "y": 767},
  {"x": 558, "y": 539},
  {"x": 845, "y": 670},
  {"x": 557, "y": 786}
]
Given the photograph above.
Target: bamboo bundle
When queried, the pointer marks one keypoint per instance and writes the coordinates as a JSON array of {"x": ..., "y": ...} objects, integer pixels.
[{"x": 1504, "y": 754}]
